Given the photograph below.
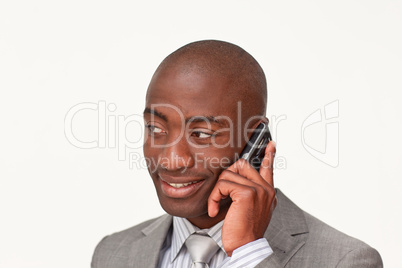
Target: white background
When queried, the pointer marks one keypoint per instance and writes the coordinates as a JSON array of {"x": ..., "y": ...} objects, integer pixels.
[{"x": 57, "y": 201}]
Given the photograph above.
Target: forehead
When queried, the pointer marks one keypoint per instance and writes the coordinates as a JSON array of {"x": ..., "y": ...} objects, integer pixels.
[{"x": 194, "y": 93}]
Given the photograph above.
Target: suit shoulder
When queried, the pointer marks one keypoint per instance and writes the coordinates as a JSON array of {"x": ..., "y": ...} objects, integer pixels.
[
  {"x": 319, "y": 230},
  {"x": 132, "y": 233},
  {"x": 118, "y": 244},
  {"x": 316, "y": 243},
  {"x": 342, "y": 249}
]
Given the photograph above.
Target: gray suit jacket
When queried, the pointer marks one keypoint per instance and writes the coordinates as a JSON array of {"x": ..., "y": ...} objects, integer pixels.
[{"x": 297, "y": 239}]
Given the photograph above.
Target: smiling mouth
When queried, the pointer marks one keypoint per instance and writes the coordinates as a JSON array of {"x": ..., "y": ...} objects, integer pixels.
[
  {"x": 181, "y": 185},
  {"x": 171, "y": 186}
]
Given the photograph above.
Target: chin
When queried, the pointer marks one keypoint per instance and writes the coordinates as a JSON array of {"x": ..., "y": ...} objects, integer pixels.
[{"x": 184, "y": 208}]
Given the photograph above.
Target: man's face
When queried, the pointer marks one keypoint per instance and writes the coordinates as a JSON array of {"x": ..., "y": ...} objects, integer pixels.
[{"x": 191, "y": 136}]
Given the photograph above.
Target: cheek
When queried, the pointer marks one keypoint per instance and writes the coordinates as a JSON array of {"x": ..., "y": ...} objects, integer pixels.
[
  {"x": 217, "y": 160},
  {"x": 151, "y": 157}
]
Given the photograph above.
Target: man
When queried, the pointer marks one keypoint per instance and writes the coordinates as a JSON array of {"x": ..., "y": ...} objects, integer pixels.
[{"x": 202, "y": 104}]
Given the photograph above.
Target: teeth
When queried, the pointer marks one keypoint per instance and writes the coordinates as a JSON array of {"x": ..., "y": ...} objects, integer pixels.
[{"x": 180, "y": 185}]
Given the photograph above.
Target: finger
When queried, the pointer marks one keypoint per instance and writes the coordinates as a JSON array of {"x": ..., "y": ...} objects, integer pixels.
[
  {"x": 245, "y": 169},
  {"x": 221, "y": 192},
  {"x": 224, "y": 188},
  {"x": 240, "y": 178},
  {"x": 267, "y": 169}
]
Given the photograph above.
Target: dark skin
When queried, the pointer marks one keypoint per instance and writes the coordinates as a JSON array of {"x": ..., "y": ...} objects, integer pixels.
[{"x": 233, "y": 191}]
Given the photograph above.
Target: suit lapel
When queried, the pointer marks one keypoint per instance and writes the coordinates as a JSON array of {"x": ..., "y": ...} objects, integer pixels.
[
  {"x": 145, "y": 251},
  {"x": 284, "y": 233}
]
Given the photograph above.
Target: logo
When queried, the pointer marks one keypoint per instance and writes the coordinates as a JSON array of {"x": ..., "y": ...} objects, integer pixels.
[{"x": 326, "y": 118}]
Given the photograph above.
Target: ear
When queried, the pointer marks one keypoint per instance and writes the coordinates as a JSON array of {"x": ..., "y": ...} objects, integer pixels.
[{"x": 262, "y": 119}]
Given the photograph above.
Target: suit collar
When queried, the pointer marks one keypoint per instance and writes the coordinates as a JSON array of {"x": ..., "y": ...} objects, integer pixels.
[
  {"x": 145, "y": 251},
  {"x": 288, "y": 216},
  {"x": 286, "y": 229}
]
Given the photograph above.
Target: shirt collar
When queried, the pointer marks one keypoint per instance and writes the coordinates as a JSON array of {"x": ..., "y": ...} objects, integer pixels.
[{"x": 182, "y": 229}]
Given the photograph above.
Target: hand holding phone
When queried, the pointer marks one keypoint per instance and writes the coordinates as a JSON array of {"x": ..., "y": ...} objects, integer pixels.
[{"x": 251, "y": 190}]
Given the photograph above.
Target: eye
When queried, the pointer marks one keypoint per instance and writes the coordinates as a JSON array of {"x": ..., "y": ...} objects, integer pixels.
[
  {"x": 155, "y": 130},
  {"x": 201, "y": 135}
]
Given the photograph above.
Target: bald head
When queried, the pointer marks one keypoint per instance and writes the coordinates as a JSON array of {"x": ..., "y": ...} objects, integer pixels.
[{"x": 247, "y": 82}]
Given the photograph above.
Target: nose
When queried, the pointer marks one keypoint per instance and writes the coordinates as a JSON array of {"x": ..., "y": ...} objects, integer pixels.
[{"x": 177, "y": 155}]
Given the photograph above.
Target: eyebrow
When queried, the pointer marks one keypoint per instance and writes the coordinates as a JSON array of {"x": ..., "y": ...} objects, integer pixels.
[
  {"x": 192, "y": 119},
  {"x": 205, "y": 119},
  {"x": 154, "y": 112}
]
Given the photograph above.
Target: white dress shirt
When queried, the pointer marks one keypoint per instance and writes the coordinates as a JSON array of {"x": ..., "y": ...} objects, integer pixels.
[{"x": 174, "y": 254}]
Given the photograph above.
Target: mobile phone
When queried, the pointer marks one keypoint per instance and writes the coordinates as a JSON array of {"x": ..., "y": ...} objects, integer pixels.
[{"x": 254, "y": 150}]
